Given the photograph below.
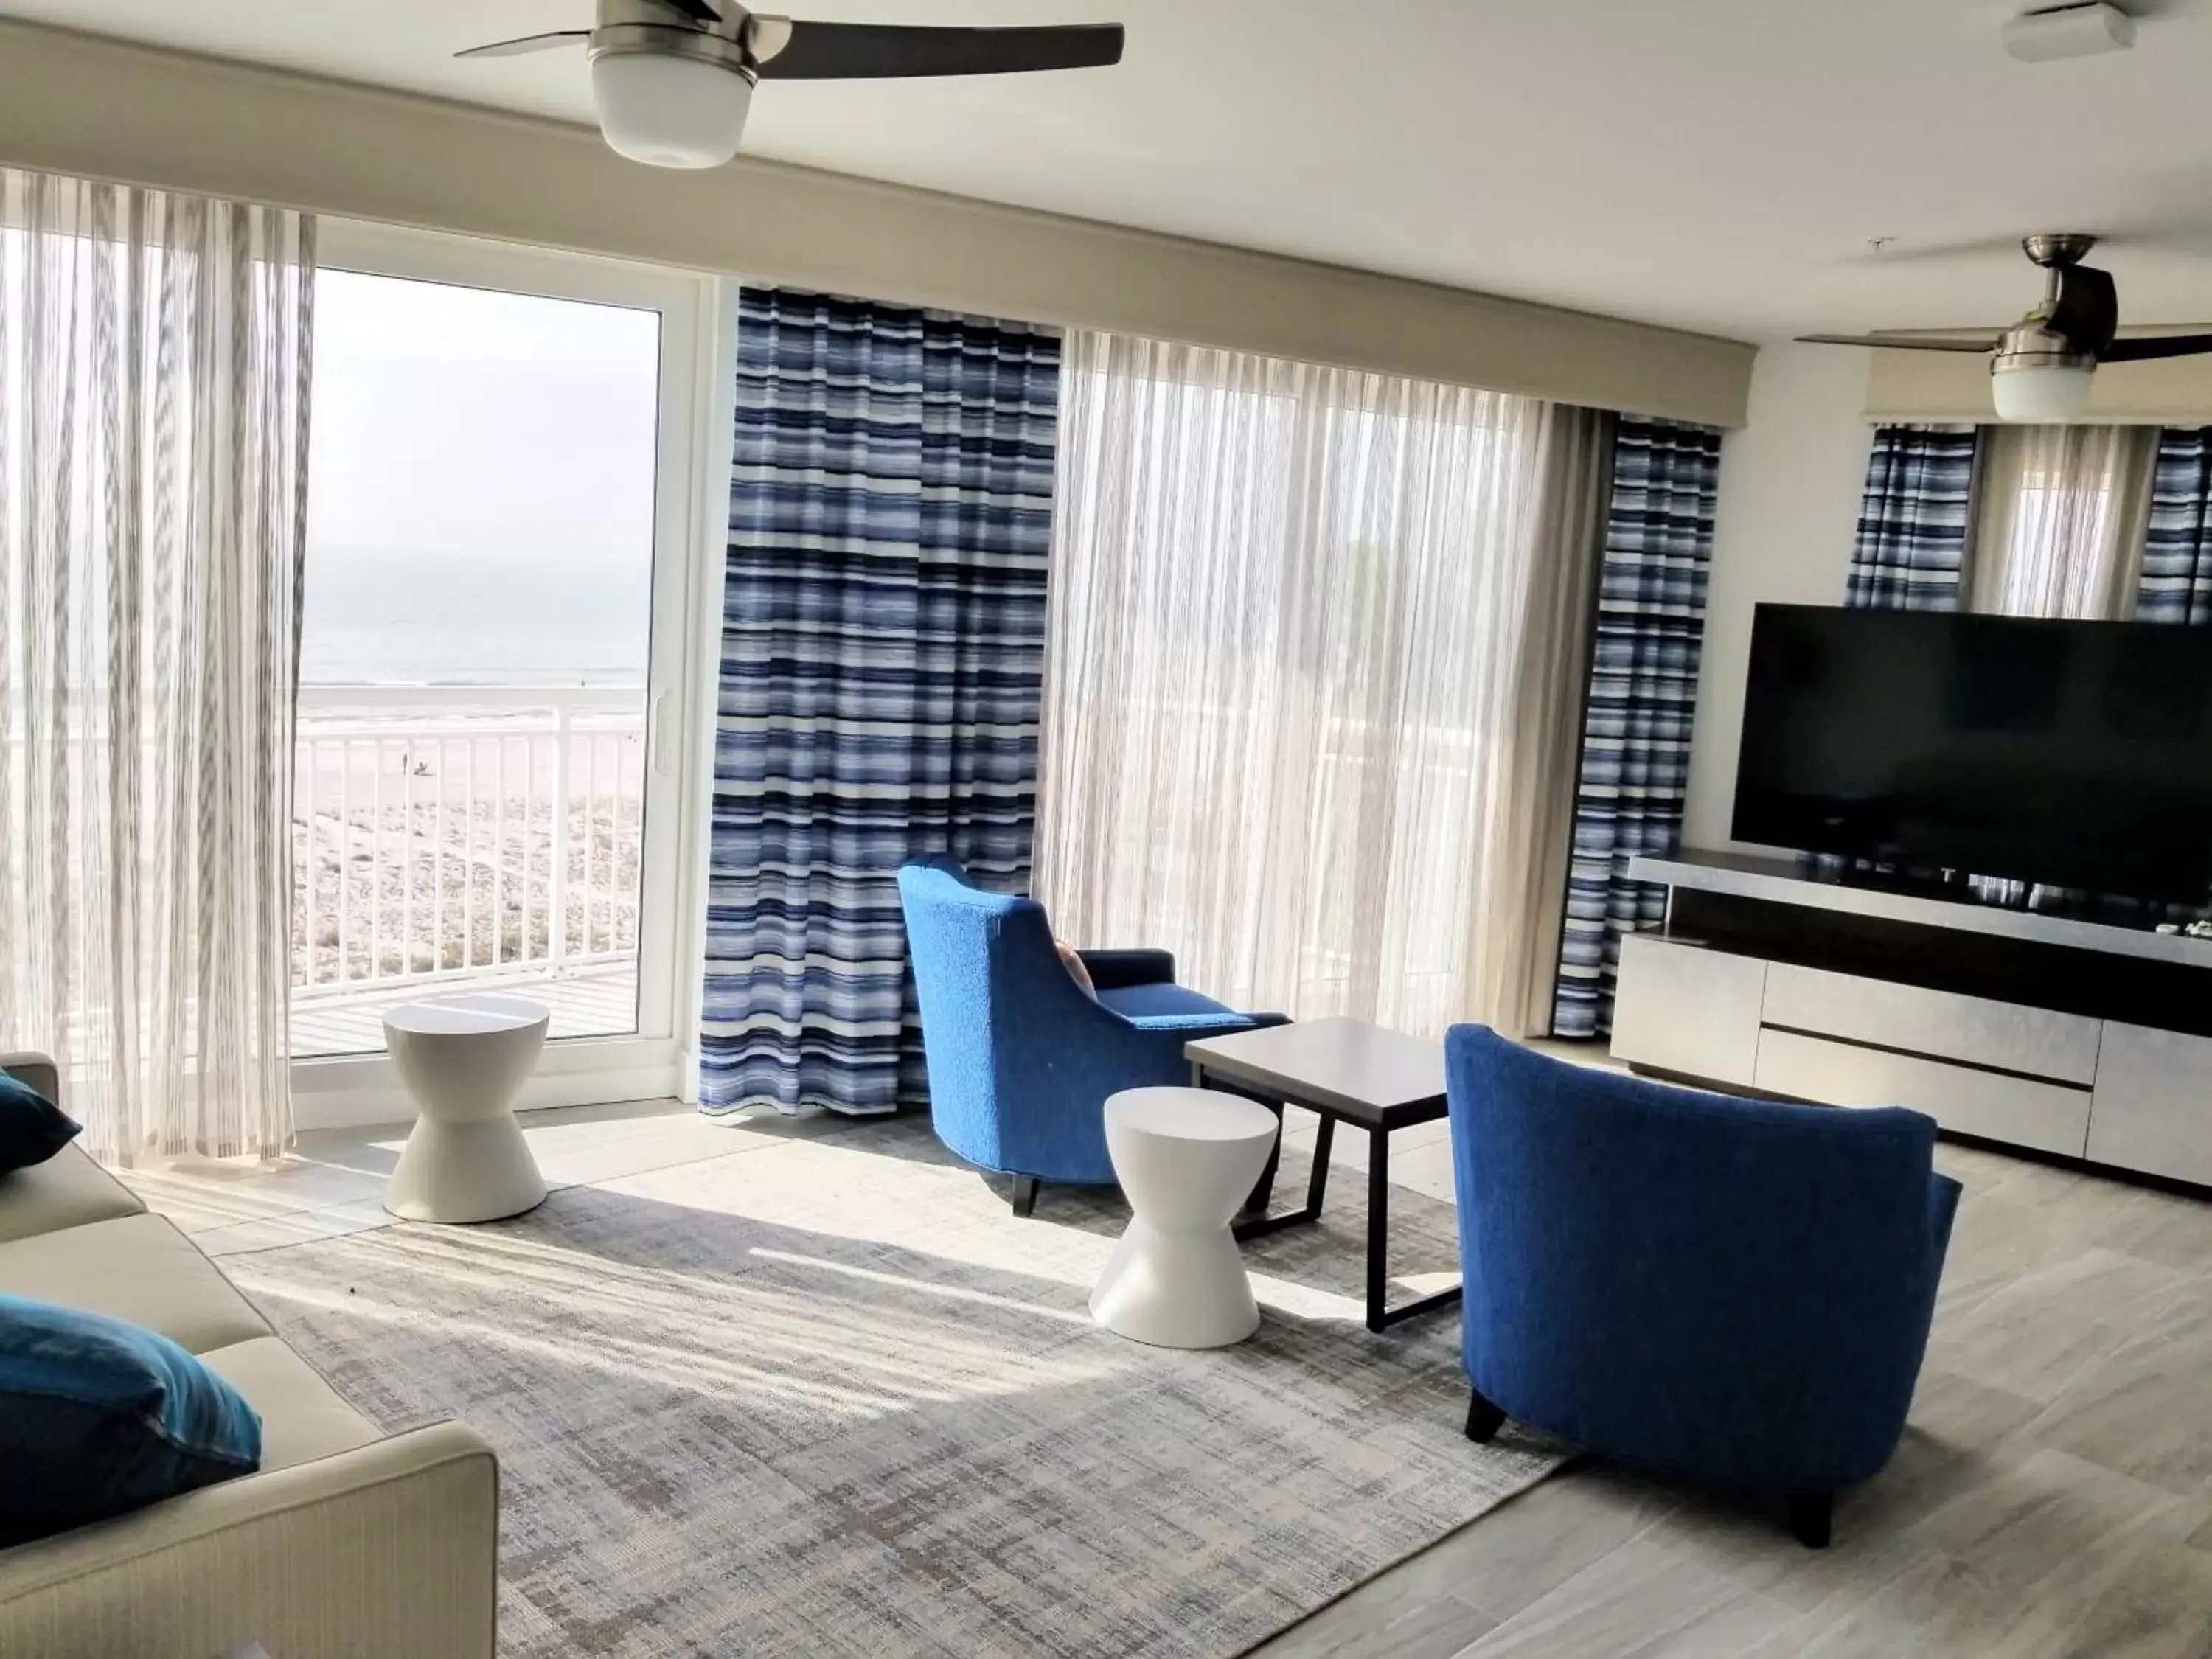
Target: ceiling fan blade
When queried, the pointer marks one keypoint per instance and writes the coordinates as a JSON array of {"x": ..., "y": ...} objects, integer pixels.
[
  {"x": 1901, "y": 342},
  {"x": 2088, "y": 309},
  {"x": 527, "y": 43},
  {"x": 856, "y": 51},
  {"x": 2142, "y": 348}
]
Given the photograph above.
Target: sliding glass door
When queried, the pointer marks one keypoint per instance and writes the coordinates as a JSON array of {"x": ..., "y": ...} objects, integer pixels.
[{"x": 493, "y": 663}]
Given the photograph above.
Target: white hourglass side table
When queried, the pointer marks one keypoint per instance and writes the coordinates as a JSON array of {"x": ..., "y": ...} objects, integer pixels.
[
  {"x": 1187, "y": 1160},
  {"x": 464, "y": 1059}
]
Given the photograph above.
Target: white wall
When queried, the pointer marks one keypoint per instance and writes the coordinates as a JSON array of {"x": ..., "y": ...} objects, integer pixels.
[{"x": 1789, "y": 504}]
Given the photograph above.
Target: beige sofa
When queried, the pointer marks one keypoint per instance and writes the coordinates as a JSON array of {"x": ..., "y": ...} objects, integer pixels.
[{"x": 347, "y": 1544}]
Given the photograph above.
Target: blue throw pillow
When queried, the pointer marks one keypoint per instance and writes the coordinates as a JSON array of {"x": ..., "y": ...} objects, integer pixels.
[
  {"x": 32, "y": 1128},
  {"x": 99, "y": 1417}
]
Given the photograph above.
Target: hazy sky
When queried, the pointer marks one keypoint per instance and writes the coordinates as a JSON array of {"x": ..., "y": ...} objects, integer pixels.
[
  {"x": 451, "y": 419},
  {"x": 479, "y": 488}
]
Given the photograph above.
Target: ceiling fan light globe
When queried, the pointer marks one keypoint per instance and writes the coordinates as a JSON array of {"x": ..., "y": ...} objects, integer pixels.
[
  {"x": 668, "y": 111},
  {"x": 2042, "y": 394}
]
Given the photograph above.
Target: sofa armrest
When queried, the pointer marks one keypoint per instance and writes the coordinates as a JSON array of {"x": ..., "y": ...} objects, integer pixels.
[
  {"x": 38, "y": 1071},
  {"x": 1117, "y": 970},
  {"x": 389, "y": 1549}
]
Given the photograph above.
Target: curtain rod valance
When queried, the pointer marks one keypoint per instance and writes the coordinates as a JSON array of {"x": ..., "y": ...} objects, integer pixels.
[{"x": 1949, "y": 387}]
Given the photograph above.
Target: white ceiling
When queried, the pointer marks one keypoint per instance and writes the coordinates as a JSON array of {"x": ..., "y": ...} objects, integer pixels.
[{"x": 1715, "y": 164}]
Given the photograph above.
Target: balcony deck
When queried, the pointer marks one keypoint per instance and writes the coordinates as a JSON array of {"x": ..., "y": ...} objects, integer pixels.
[{"x": 590, "y": 999}]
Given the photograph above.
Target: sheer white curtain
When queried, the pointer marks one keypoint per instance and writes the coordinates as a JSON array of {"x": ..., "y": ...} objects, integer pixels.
[
  {"x": 153, "y": 367},
  {"x": 2060, "y": 530},
  {"x": 1314, "y": 664}
]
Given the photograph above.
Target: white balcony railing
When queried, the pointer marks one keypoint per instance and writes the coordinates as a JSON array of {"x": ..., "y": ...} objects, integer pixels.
[{"x": 453, "y": 833}]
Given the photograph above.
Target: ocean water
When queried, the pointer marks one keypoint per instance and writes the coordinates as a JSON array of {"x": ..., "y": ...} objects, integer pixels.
[{"x": 415, "y": 616}]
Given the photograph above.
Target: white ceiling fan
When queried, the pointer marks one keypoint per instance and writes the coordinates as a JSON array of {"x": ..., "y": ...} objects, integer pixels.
[
  {"x": 674, "y": 79},
  {"x": 2040, "y": 369}
]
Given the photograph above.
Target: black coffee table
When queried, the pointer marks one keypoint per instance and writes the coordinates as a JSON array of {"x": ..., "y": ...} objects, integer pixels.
[{"x": 1343, "y": 1070}]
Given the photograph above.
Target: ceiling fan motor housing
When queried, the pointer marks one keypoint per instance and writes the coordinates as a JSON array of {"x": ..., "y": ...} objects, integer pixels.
[
  {"x": 650, "y": 26},
  {"x": 671, "y": 92},
  {"x": 2033, "y": 346},
  {"x": 2043, "y": 365}
]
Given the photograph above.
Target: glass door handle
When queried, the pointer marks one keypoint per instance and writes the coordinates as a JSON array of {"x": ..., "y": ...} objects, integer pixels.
[{"x": 656, "y": 739}]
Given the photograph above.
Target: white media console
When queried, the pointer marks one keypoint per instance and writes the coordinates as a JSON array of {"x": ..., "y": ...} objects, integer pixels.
[{"x": 2083, "y": 1038}]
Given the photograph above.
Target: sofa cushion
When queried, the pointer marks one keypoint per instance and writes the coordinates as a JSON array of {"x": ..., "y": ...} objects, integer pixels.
[
  {"x": 1135, "y": 1001},
  {"x": 99, "y": 1417},
  {"x": 68, "y": 1190},
  {"x": 32, "y": 1128},
  {"x": 137, "y": 1267},
  {"x": 302, "y": 1417}
]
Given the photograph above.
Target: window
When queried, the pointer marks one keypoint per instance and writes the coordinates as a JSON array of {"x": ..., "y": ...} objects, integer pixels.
[
  {"x": 1286, "y": 676},
  {"x": 2060, "y": 521}
]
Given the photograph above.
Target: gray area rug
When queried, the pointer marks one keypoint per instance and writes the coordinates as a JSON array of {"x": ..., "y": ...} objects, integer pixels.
[{"x": 825, "y": 1397}]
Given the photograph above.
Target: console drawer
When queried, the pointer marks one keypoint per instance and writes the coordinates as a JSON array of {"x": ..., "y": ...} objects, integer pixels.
[
  {"x": 1680, "y": 1008},
  {"x": 2035, "y": 1041},
  {"x": 2046, "y": 1115},
  {"x": 2154, "y": 1104}
]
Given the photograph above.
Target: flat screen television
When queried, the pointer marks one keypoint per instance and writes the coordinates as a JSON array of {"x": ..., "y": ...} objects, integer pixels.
[{"x": 2071, "y": 754}]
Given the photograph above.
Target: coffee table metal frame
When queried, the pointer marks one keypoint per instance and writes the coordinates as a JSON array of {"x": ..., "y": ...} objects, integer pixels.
[{"x": 1275, "y": 1089}]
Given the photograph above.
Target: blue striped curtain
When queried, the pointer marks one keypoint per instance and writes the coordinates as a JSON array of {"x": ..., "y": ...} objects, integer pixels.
[
  {"x": 1642, "y": 693},
  {"x": 883, "y": 654},
  {"x": 1914, "y": 518},
  {"x": 2177, "y": 578}
]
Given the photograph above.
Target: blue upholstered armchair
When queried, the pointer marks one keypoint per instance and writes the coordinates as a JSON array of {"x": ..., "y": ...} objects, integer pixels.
[
  {"x": 1734, "y": 1290},
  {"x": 1020, "y": 1059}
]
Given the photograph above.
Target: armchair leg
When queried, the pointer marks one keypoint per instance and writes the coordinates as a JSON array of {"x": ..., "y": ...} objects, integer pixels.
[
  {"x": 1483, "y": 1419},
  {"x": 1025, "y": 1191},
  {"x": 1809, "y": 1514}
]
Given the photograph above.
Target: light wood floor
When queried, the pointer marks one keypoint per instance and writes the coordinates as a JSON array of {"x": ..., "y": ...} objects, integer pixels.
[{"x": 2053, "y": 1495}]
